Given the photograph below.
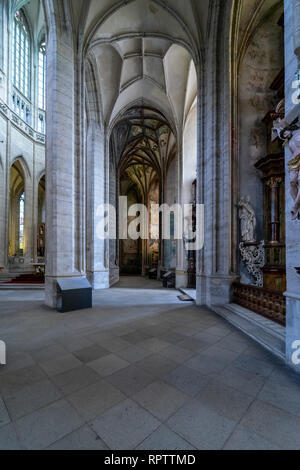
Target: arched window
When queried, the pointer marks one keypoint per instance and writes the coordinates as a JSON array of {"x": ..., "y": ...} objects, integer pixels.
[
  {"x": 21, "y": 54},
  {"x": 21, "y": 222},
  {"x": 42, "y": 75}
]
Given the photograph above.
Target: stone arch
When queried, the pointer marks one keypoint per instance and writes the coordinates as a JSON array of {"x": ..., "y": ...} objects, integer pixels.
[
  {"x": 24, "y": 165},
  {"x": 17, "y": 188}
]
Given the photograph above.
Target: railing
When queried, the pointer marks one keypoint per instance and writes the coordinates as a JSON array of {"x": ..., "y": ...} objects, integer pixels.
[
  {"x": 22, "y": 107},
  {"x": 267, "y": 303},
  {"x": 18, "y": 122}
]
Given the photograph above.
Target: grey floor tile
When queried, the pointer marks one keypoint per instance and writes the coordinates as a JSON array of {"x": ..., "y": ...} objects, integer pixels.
[
  {"x": 9, "y": 439},
  {"x": 283, "y": 395},
  {"x": 108, "y": 365},
  {"x": 156, "y": 330},
  {"x": 47, "y": 353},
  {"x": 151, "y": 319},
  {"x": 4, "y": 416},
  {"x": 219, "y": 330},
  {"x": 254, "y": 365},
  {"x": 156, "y": 365},
  {"x": 244, "y": 439},
  {"x": 129, "y": 416},
  {"x": 31, "y": 398},
  {"x": 207, "y": 365},
  {"x": 12, "y": 382},
  {"x": 257, "y": 351},
  {"x": 274, "y": 424},
  {"x": 194, "y": 344},
  {"x": 136, "y": 337},
  {"x": 224, "y": 400},
  {"x": 207, "y": 339},
  {"x": 75, "y": 379},
  {"x": 74, "y": 343},
  {"x": 114, "y": 344},
  {"x": 16, "y": 361},
  {"x": 93, "y": 400},
  {"x": 173, "y": 337},
  {"x": 189, "y": 381},
  {"x": 233, "y": 345},
  {"x": 130, "y": 380},
  {"x": 285, "y": 375},
  {"x": 154, "y": 345},
  {"x": 220, "y": 353},
  {"x": 98, "y": 337},
  {"x": 91, "y": 353},
  {"x": 46, "y": 426},
  {"x": 59, "y": 364},
  {"x": 201, "y": 426},
  {"x": 161, "y": 399},
  {"x": 164, "y": 439},
  {"x": 242, "y": 380},
  {"x": 81, "y": 439},
  {"x": 177, "y": 354},
  {"x": 133, "y": 354}
]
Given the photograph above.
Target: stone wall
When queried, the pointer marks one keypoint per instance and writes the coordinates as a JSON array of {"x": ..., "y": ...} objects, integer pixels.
[
  {"x": 31, "y": 154},
  {"x": 263, "y": 60}
]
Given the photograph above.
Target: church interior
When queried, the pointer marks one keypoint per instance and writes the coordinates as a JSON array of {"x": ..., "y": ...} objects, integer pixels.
[{"x": 146, "y": 343}]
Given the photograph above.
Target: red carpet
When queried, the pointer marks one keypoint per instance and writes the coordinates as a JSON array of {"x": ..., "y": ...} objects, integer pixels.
[{"x": 28, "y": 279}]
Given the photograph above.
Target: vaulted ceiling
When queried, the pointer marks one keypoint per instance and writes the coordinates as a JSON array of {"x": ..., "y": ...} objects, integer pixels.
[
  {"x": 151, "y": 50},
  {"x": 154, "y": 70},
  {"x": 144, "y": 146}
]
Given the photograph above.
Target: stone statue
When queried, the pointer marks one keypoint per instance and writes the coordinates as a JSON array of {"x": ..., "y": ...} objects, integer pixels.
[
  {"x": 248, "y": 220},
  {"x": 291, "y": 136}
]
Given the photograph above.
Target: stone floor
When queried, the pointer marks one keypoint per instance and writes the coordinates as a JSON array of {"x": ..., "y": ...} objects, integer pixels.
[{"x": 141, "y": 370}]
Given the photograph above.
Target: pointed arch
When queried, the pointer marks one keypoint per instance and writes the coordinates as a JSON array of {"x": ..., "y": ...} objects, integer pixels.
[{"x": 23, "y": 164}]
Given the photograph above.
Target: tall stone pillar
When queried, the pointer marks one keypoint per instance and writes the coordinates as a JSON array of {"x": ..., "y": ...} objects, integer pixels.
[
  {"x": 28, "y": 222},
  {"x": 296, "y": 27},
  {"x": 97, "y": 184},
  {"x": 3, "y": 221},
  {"x": 216, "y": 268},
  {"x": 292, "y": 20},
  {"x": 181, "y": 269},
  {"x": 64, "y": 166}
]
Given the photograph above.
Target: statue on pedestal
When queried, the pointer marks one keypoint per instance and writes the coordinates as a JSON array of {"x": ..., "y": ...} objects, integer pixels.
[
  {"x": 252, "y": 253},
  {"x": 248, "y": 220},
  {"x": 290, "y": 134}
]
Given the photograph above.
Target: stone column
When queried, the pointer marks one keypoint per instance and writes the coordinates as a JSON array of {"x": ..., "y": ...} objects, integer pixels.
[
  {"x": 28, "y": 222},
  {"x": 64, "y": 165},
  {"x": 215, "y": 168},
  {"x": 296, "y": 26},
  {"x": 114, "y": 271},
  {"x": 97, "y": 249},
  {"x": 3, "y": 221},
  {"x": 181, "y": 268},
  {"x": 274, "y": 222},
  {"x": 292, "y": 20}
]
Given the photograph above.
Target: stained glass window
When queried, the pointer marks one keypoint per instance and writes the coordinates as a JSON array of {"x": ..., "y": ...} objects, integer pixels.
[
  {"x": 21, "y": 54},
  {"x": 42, "y": 75},
  {"x": 21, "y": 221}
]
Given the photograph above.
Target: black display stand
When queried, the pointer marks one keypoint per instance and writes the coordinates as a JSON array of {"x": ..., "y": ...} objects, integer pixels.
[{"x": 73, "y": 294}]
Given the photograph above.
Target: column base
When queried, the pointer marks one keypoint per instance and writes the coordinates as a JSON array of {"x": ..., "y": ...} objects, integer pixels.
[
  {"x": 99, "y": 279},
  {"x": 181, "y": 279},
  {"x": 293, "y": 331},
  {"x": 214, "y": 289},
  {"x": 114, "y": 275}
]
